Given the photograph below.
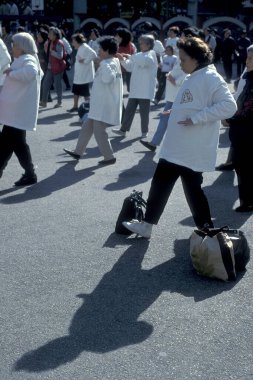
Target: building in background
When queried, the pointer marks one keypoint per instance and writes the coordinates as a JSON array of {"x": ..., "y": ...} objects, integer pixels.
[{"x": 106, "y": 14}]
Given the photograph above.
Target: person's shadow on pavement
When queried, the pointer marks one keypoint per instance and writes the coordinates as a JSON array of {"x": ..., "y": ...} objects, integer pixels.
[
  {"x": 222, "y": 195},
  {"x": 109, "y": 317},
  {"x": 65, "y": 176},
  {"x": 137, "y": 174}
]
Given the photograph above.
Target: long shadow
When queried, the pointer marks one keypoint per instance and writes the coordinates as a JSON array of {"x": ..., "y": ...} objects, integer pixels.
[
  {"x": 53, "y": 119},
  {"x": 65, "y": 176},
  {"x": 222, "y": 195},
  {"x": 137, "y": 174},
  {"x": 109, "y": 317},
  {"x": 73, "y": 135}
]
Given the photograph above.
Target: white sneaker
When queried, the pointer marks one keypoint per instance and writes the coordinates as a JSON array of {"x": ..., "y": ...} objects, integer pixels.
[
  {"x": 144, "y": 135},
  {"x": 143, "y": 229},
  {"x": 119, "y": 132}
]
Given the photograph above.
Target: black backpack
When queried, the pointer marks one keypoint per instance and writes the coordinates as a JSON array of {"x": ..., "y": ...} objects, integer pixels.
[{"x": 132, "y": 208}]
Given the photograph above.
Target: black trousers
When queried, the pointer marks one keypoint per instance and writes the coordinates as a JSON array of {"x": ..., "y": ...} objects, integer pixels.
[
  {"x": 242, "y": 160},
  {"x": 164, "y": 179},
  {"x": 228, "y": 67},
  {"x": 13, "y": 140},
  {"x": 161, "y": 85}
]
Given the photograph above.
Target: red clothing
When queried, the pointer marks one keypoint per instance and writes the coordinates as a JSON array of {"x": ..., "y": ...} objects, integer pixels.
[
  {"x": 58, "y": 64},
  {"x": 129, "y": 49}
]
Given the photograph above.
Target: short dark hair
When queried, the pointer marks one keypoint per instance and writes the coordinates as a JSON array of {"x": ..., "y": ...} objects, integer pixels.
[
  {"x": 191, "y": 31},
  {"x": 125, "y": 35},
  {"x": 197, "y": 49},
  {"x": 95, "y": 31},
  {"x": 175, "y": 29},
  {"x": 109, "y": 44},
  {"x": 79, "y": 37}
]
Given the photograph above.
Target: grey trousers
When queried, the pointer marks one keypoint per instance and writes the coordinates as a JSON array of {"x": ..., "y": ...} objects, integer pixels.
[
  {"x": 48, "y": 80},
  {"x": 144, "y": 105},
  {"x": 98, "y": 128}
]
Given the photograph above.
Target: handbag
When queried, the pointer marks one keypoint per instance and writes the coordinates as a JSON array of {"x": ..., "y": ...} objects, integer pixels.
[
  {"x": 132, "y": 208},
  {"x": 83, "y": 110},
  {"x": 219, "y": 252}
]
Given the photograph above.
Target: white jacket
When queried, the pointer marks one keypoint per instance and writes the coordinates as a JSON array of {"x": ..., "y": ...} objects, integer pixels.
[
  {"x": 143, "y": 67},
  {"x": 106, "y": 97},
  {"x": 84, "y": 71},
  {"x": 5, "y": 60},
  {"x": 204, "y": 98},
  {"x": 19, "y": 98}
]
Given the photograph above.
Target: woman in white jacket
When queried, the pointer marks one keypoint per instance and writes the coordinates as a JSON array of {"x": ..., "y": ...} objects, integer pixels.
[
  {"x": 84, "y": 70},
  {"x": 143, "y": 66},
  {"x": 19, "y": 103},
  {"x": 174, "y": 80},
  {"x": 105, "y": 103},
  {"x": 191, "y": 140}
]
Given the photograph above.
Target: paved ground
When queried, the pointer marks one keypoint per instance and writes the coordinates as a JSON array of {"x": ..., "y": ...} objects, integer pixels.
[{"x": 79, "y": 302}]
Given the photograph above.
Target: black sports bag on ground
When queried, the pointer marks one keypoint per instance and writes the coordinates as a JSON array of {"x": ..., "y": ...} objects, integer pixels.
[{"x": 132, "y": 208}]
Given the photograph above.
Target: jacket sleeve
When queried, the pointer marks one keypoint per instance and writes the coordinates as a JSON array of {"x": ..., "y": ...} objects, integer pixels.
[
  {"x": 5, "y": 58},
  {"x": 128, "y": 63},
  {"x": 145, "y": 60},
  {"x": 25, "y": 74},
  {"x": 88, "y": 55},
  {"x": 223, "y": 106},
  {"x": 108, "y": 72}
]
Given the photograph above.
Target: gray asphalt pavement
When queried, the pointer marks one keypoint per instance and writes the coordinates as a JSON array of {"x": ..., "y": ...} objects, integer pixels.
[{"x": 79, "y": 302}]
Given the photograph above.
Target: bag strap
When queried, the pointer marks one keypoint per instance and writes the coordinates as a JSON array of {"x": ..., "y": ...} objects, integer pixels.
[{"x": 226, "y": 257}]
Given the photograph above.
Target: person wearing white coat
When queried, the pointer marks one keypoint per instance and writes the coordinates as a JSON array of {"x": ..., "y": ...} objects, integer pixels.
[
  {"x": 174, "y": 81},
  {"x": 143, "y": 66},
  {"x": 190, "y": 144},
  {"x": 19, "y": 103},
  {"x": 84, "y": 69},
  {"x": 5, "y": 60},
  {"x": 105, "y": 103}
]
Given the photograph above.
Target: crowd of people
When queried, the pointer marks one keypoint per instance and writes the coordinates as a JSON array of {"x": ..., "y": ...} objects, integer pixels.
[
  {"x": 15, "y": 8},
  {"x": 182, "y": 70}
]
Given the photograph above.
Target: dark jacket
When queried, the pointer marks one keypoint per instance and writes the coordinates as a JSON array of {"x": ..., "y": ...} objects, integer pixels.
[{"x": 241, "y": 124}]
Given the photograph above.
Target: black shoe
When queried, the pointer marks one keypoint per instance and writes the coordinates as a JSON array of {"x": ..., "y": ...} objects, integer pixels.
[
  {"x": 244, "y": 208},
  {"x": 26, "y": 180},
  {"x": 72, "y": 154},
  {"x": 74, "y": 109},
  {"x": 225, "y": 167},
  {"x": 107, "y": 162},
  {"x": 148, "y": 145}
]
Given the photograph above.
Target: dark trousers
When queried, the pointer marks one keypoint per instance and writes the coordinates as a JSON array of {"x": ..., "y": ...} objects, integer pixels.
[
  {"x": 228, "y": 67},
  {"x": 161, "y": 85},
  {"x": 66, "y": 79},
  {"x": 164, "y": 179},
  {"x": 144, "y": 105},
  {"x": 13, "y": 140},
  {"x": 242, "y": 160}
]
